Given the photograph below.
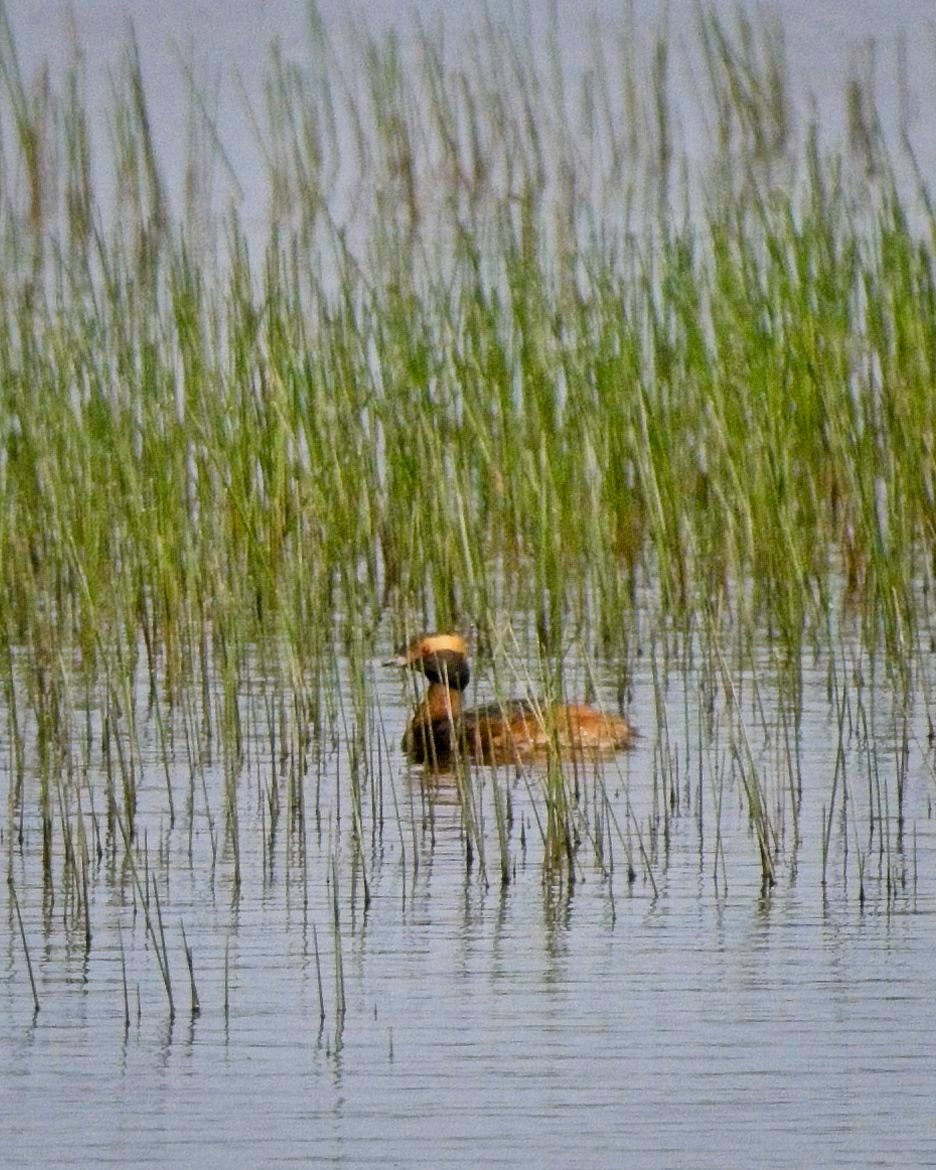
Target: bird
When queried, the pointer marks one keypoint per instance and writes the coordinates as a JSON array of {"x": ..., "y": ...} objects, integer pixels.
[{"x": 514, "y": 732}]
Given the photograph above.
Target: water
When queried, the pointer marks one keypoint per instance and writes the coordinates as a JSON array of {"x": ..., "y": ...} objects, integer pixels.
[
  {"x": 704, "y": 1023},
  {"x": 540, "y": 1023}
]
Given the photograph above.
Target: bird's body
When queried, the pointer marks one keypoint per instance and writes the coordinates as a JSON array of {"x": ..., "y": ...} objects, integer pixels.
[{"x": 517, "y": 731}]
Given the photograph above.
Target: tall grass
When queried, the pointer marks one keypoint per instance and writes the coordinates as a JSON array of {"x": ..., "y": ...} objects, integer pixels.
[
  {"x": 477, "y": 390},
  {"x": 505, "y": 352}
]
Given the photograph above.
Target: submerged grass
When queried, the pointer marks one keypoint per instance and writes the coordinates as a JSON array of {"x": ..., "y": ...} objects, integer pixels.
[{"x": 504, "y": 353}]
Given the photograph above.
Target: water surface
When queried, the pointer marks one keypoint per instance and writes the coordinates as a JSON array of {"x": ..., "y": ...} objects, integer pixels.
[{"x": 569, "y": 1024}]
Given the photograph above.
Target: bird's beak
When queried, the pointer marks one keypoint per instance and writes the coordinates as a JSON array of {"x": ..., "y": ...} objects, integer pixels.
[{"x": 397, "y": 660}]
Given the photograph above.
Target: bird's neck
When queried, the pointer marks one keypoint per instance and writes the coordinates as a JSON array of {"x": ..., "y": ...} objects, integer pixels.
[{"x": 440, "y": 702}]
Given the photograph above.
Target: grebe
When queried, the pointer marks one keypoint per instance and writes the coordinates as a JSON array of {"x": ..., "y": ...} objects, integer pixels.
[{"x": 518, "y": 731}]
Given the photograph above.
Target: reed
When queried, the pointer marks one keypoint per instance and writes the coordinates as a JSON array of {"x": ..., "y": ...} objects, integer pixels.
[
  {"x": 22, "y": 930},
  {"x": 123, "y": 981},
  {"x": 318, "y": 976},
  {"x": 227, "y": 983},
  {"x": 503, "y": 353},
  {"x": 189, "y": 959},
  {"x": 158, "y": 940},
  {"x": 162, "y": 951},
  {"x": 503, "y": 368},
  {"x": 340, "y": 1002}
]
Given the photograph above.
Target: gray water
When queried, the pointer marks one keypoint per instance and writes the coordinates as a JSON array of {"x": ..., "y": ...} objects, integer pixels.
[
  {"x": 594, "y": 1023},
  {"x": 687, "y": 1018}
]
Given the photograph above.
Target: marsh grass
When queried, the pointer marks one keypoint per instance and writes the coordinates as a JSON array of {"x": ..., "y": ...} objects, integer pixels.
[
  {"x": 22, "y": 931},
  {"x": 504, "y": 353}
]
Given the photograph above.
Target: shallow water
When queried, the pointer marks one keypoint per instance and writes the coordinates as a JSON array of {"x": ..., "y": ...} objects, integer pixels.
[{"x": 566, "y": 1025}]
